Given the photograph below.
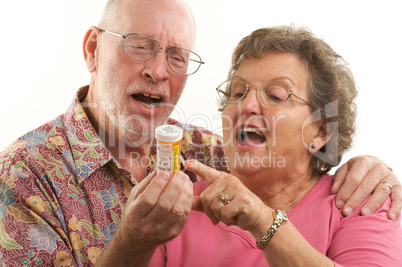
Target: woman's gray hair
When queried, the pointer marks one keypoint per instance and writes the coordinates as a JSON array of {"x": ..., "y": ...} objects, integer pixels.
[{"x": 332, "y": 90}]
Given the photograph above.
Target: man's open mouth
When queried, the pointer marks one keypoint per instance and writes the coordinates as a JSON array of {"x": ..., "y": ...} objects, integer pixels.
[
  {"x": 148, "y": 100},
  {"x": 249, "y": 136}
]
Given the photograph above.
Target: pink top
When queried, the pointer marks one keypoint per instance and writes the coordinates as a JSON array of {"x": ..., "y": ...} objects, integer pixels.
[{"x": 349, "y": 241}]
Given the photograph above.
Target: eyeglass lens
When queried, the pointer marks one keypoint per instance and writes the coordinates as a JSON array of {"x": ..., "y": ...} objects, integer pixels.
[
  {"x": 143, "y": 48},
  {"x": 270, "y": 93}
]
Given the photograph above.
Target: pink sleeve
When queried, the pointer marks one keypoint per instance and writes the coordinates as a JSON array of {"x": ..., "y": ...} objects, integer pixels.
[{"x": 368, "y": 240}]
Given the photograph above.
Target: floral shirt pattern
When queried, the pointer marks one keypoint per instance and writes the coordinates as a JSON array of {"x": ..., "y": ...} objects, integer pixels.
[{"x": 62, "y": 192}]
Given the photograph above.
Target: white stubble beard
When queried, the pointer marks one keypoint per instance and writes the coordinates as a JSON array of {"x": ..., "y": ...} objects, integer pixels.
[{"x": 135, "y": 128}]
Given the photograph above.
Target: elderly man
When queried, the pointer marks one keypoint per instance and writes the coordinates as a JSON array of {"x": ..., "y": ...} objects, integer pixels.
[{"x": 72, "y": 184}]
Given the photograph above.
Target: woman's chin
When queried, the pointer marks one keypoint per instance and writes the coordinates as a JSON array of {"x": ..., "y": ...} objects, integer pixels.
[{"x": 249, "y": 162}]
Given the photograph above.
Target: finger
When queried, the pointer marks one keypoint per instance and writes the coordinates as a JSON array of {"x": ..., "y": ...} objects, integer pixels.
[
  {"x": 219, "y": 204},
  {"x": 228, "y": 217},
  {"x": 228, "y": 213},
  {"x": 197, "y": 205},
  {"x": 364, "y": 190},
  {"x": 184, "y": 200},
  {"x": 181, "y": 208},
  {"x": 396, "y": 197},
  {"x": 167, "y": 198},
  {"x": 380, "y": 194},
  {"x": 145, "y": 201},
  {"x": 140, "y": 187},
  {"x": 355, "y": 174},
  {"x": 211, "y": 204},
  {"x": 396, "y": 205},
  {"x": 208, "y": 174}
]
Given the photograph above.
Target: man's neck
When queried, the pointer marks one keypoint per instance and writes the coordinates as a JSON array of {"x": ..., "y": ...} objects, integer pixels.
[{"x": 133, "y": 158}]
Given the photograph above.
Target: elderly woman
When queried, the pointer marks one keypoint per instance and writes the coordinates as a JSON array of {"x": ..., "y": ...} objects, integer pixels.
[{"x": 288, "y": 117}]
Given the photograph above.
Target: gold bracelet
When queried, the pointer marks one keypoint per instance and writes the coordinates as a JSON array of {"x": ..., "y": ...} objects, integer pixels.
[{"x": 279, "y": 218}]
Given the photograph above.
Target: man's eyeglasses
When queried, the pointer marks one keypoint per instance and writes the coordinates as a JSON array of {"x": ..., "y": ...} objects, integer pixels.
[
  {"x": 268, "y": 93},
  {"x": 142, "y": 48}
]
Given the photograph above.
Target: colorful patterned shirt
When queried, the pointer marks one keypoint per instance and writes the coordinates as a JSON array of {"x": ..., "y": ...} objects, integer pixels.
[{"x": 62, "y": 192}]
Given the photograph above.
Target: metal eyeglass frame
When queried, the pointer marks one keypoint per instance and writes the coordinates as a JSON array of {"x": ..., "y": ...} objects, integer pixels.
[
  {"x": 156, "y": 52},
  {"x": 290, "y": 93}
]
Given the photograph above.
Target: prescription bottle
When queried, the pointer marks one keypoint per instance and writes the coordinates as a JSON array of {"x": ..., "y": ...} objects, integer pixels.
[{"x": 168, "y": 148}]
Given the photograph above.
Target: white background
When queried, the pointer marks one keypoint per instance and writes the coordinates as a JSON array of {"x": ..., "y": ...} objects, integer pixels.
[{"x": 41, "y": 63}]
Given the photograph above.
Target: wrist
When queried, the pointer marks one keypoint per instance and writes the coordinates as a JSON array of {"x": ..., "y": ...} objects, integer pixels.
[
  {"x": 264, "y": 222},
  {"x": 122, "y": 251},
  {"x": 279, "y": 217},
  {"x": 132, "y": 240}
]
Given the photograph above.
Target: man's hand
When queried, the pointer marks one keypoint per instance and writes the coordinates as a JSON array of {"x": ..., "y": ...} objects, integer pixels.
[
  {"x": 156, "y": 212},
  {"x": 157, "y": 209},
  {"x": 362, "y": 176}
]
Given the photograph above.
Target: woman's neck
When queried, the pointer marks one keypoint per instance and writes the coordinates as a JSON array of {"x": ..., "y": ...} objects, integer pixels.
[{"x": 281, "y": 190}]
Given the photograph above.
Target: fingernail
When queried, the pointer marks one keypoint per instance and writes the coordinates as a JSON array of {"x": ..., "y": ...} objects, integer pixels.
[
  {"x": 366, "y": 211},
  {"x": 340, "y": 204},
  {"x": 182, "y": 177},
  {"x": 164, "y": 176},
  {"x": 348, "y": 211},
  {"x": 188, "y": 163},
  {"x": 393, "y": 216}
]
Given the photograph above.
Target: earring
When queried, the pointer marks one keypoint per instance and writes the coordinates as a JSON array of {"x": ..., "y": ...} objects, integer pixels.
[{"x": 313, "y": 146}]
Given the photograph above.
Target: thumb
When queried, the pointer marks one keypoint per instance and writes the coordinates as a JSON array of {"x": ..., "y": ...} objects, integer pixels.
[
  {"x": 197, "y": 204},
  {"x": 339, "y": 178}
]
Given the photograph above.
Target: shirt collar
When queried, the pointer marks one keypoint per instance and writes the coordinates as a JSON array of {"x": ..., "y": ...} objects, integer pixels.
[{"x": 88, "y": 150}]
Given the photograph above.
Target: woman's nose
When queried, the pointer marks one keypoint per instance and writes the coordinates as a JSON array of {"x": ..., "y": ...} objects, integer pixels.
[{"x": 250, "y": 103}]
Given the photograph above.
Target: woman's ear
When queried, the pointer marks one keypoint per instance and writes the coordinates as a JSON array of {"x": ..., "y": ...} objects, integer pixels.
[
  {"x": 325, "y": 131},
  {"x": 90, "y": 45}
]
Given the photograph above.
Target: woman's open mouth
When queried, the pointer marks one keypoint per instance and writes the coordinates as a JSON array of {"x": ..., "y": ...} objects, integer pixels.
[{"x": 250, "y": 137}]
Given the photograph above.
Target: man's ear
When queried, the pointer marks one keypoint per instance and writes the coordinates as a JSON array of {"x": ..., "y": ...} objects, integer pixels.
[
  {"x": 325, "y": 131},
  {"x": 90, "y": 45}
]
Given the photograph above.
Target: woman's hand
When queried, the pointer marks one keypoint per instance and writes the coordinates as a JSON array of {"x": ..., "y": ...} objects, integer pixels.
[
  {"x": 246, "y": 210},
  {"x": 228, "y": 200}
]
